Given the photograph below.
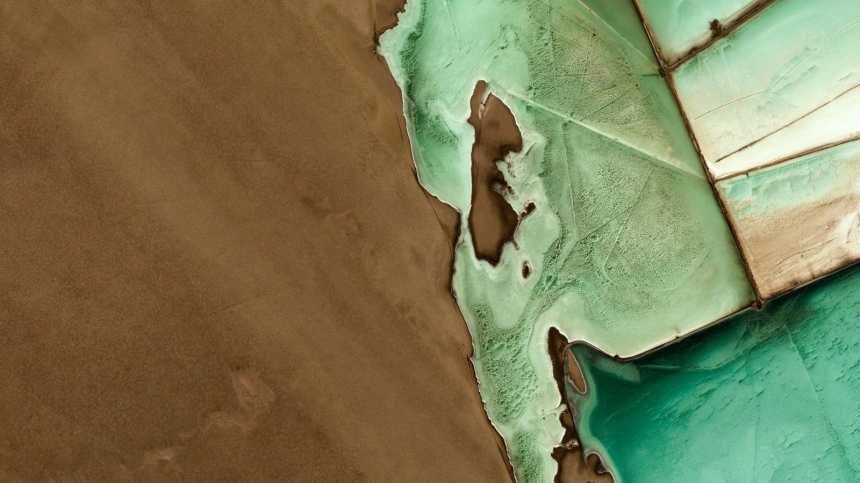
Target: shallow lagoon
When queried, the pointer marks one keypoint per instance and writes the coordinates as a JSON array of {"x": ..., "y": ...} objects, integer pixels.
[{"x": 765, "y": 396}]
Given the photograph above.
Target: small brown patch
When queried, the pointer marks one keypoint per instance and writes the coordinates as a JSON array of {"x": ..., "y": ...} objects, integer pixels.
[
  {"x": 716, "y": 27},
  {"x": 528, "y": 209}
]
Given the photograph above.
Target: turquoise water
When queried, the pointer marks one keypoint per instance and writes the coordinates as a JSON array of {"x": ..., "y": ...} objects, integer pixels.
[
  {"x": 770, "y": 396},
  {"x": 627, "y": 245}
]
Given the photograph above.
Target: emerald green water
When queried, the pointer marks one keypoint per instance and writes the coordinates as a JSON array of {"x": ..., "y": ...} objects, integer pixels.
[
  {"x": 627, "y": 245},
  {"x": 770, "y": 396}
]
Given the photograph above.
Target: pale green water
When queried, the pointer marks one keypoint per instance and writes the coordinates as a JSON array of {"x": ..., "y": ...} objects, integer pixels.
[
  {"x": 771, "y": 396},
  {"x": 681, "y": 25},
  {"x": 785, "y": 82},
  {"x": 627, "y": 244}
]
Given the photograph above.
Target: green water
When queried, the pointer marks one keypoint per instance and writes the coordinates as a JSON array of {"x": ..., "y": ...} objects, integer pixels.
[
  {"x": 627, "y": 245},
  {"x": 770, "y": 396}
]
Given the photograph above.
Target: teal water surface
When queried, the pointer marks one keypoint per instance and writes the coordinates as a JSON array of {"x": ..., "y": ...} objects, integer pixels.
[{"x": 785, "y": 82}]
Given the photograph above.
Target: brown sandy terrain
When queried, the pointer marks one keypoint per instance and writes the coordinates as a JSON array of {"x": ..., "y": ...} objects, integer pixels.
[{"x": 216, "y": 262}]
